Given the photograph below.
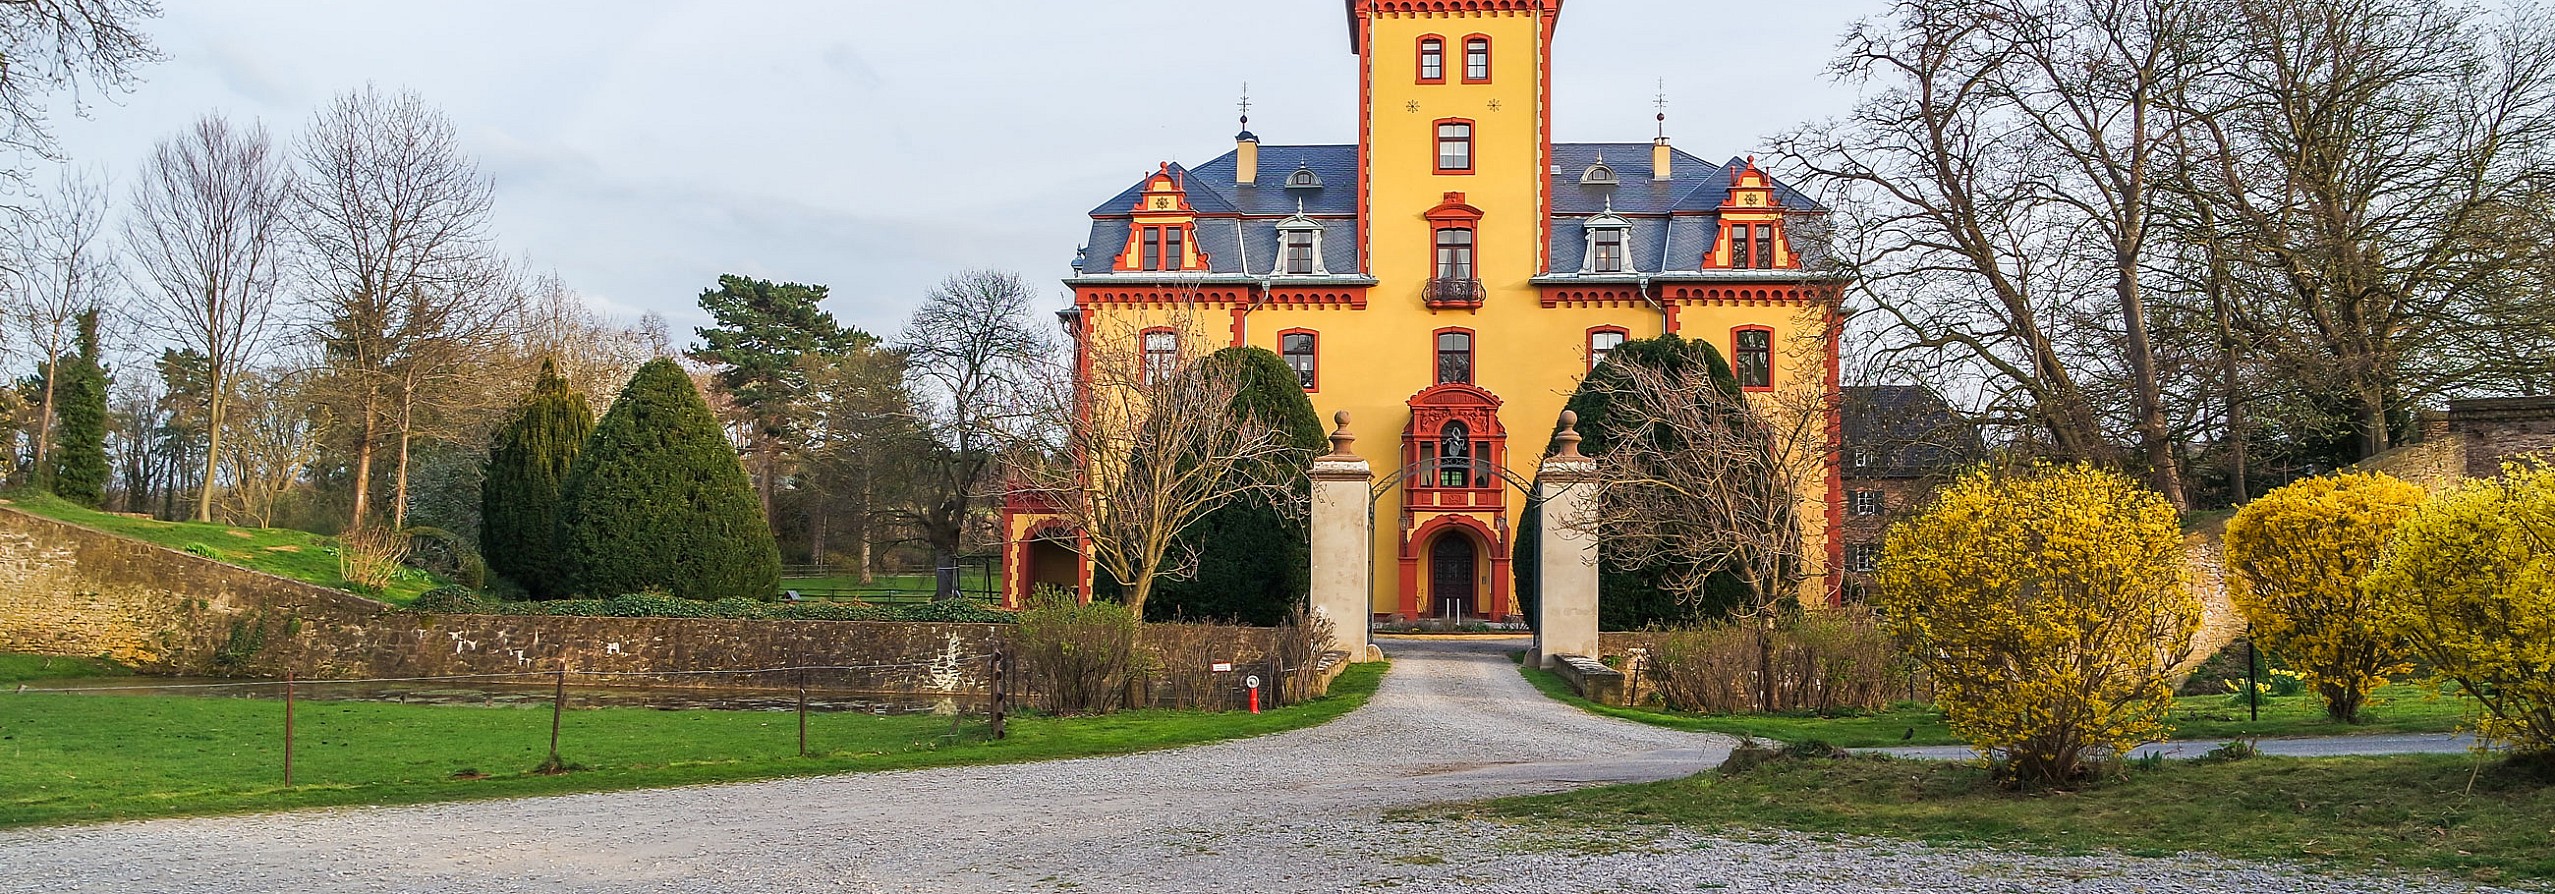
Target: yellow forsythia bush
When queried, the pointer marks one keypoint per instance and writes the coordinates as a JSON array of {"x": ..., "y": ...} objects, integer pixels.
[
  {"x": 2048, "y": 604},
  {"x": 2295, "y": 561},
  {"x": 2470, "y": 582}
]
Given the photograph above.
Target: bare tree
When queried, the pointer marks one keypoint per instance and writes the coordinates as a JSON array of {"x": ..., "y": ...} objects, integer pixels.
[
  {"x": 63, "y": 45},
  {"x": 205, "y": 238},
  {"x": 64, "y": 270},
  {"x": 977, "y": 363},
  {"x": 394, "y": 216},
  {"x": 273, "y": 443},
  {"x": 1151, "y": 444},
  {"x": 1697, "y": 481},
  {"x": 595, "y": 354}
]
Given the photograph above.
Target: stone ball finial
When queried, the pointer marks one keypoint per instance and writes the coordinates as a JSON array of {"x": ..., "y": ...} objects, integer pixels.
[
  {"x": 1568, "y": 437},
  {"x": 1340, "y": 437}
]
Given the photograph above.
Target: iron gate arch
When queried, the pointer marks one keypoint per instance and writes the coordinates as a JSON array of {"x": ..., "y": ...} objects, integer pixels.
[{"x": 1531, "y": 508}]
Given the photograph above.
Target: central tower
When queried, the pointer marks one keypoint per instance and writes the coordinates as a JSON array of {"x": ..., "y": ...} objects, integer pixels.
[{"x": 1454, "y": 141}]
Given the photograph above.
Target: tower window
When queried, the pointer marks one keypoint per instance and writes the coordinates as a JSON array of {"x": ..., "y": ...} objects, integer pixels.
[
  {"x": 1161, "y": 355},
  {"x": 1173, "y": 257},
  {"x": 1606, "y": 251},
  {"x": 1455, "y": 147},
  {"x": 1476, "y": 60},
  {"x": 1432, "y": 60},
  {"x": 1455, "y": 253},
  {"x": 1752, "y": 357},
  {"x": 1297, "y": 349},
  {"x": 1863, "y": 558},
  {"x": 1299, "y": 251},
  {"x": 1152, "y": 248},
  {"x": 1454, "y": 358},
  {"x": 1602, "y": 342}
]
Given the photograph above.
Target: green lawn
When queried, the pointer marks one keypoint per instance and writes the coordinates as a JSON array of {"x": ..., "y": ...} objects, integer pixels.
[
  {"x": 2401, "y": 708},
  {"x": 2477, "y": 818},
  {"x": 299, "y": 555},
  {"x": 917, "y": 584},
  {"x": 16, "y": 668},
  {"x": 83, "y": 758}
]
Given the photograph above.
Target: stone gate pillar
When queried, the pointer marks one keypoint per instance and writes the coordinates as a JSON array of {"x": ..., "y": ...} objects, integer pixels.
[
  {"x": 1343, "y": 529},
  {"x": 1566, "y": 561}
]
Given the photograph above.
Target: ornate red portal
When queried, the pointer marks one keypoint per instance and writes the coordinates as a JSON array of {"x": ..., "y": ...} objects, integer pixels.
[{"x": 1454, "y": 450}]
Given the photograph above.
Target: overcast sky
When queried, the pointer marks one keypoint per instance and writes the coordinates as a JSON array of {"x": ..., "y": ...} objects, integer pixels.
[{"x": 642, "y": 147}]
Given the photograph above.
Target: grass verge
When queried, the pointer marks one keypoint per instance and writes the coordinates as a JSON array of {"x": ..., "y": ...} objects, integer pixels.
[
  {"x": 2400, "y": 708},
  {"x": 2476, "y": 818},
  {"x": 299, "y": 555},
  {"x": 85, "y": 758},
  {"x": 16, "y": 668}
]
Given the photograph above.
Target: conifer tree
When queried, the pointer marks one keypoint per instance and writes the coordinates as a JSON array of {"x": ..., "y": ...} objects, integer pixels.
[
  {"x": 79, "y": 468},
  {"x": 658, "y": 501},
  {"x": 519, "y": 497},
  {"x": 1254, "y": 562}
]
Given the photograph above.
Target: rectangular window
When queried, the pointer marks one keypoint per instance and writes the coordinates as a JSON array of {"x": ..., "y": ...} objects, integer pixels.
[
  {"x": 1863, "y": 558},
  {"x": 1161, "y": 356},
  {"x": 1864, "y": 502},
  {"x": 1152, "y": 248},
  {"x": 1299, "y": 251},
  {"x": 1455, "y": 254},
  {"x": 1477, "y": 60},
  {"x": 1454, "y": 357},
  {"x": 1765, "y": 245},
  {"x": 1432, "y": 60},
  {"x": 1862, "y": 459},
  {"x": 1455, "y": 146},
  {"x": 1297, "y": 348},
  {"x": 1609, "y": 251},
  {"x": 1739, "y": 255},
  {"x": 1173, "y": 257},
  {"x": 1754, "y": 358},
  {"x": 1601, "y": 343}
]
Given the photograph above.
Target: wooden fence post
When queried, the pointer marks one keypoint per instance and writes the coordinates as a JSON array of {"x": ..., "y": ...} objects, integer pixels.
[{"x": 288, "y": 728}]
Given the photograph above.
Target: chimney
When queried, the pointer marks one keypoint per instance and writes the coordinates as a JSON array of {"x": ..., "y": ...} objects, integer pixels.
[
  {"x": 1659, "y": 158},
  {"x": 1246, "y": 159}
]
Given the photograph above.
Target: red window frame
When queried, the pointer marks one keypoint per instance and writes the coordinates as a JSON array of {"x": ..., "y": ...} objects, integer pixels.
[
  {"x": 1469, "y": 41},
  {"x": 1437, "y": 356},
  {"x": 1420, "y": 69},
  {"x": 1311, "y": 375},
  {"x": 1144, "y": 350},
  {"x": 1619, "y": 332},
  {"x": 1736, "y": 370},
  {"x": 1437, "y": 131}
]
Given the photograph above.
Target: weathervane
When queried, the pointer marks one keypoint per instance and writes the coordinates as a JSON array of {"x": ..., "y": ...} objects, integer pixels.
[
  {"x": 1246, "y": 105},
  {"x": 1661, "y": 101}
]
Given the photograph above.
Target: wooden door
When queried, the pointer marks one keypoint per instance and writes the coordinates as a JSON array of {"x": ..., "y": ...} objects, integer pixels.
[{"x": 1451, "y": 574}]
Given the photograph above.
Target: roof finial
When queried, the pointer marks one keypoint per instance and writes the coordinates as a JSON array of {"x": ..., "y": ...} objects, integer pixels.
[
  {"x": 1661, "y": 101},
  {"x": 1568, "y": 438},
  {"x": 1246, "y": 105}
]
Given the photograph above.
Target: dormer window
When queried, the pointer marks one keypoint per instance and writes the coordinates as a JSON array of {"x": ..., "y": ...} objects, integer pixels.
[
  {"x": 1609, "y": 243},
  {"x": 1299, "y": 251},
  {"x": 1598, "y": 174},
  {"x": 1304, "y": 178},
  {"x": 1751, "y": 246},
  {"x": 1299, "y": 245}
]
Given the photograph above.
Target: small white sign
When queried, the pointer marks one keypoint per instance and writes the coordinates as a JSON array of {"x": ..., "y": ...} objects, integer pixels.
[
  {"x": 1223, "y": 667},
  {"x": 1252, "y": 681}
]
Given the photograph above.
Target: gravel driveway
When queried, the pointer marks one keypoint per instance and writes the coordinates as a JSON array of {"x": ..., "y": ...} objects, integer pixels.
[{"x": 1298, "y": 811}]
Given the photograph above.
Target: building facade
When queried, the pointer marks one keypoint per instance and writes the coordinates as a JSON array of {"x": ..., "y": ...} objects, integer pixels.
[
  {"x": 1448, "y": 279},
  {"x": 1901, "y": 443}
]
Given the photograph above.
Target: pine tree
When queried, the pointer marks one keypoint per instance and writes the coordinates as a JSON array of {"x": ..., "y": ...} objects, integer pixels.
[
  {"x": 519, "y": 497},
  {"x": 79, "y": 466},
  {"x": 1253, "y": 561},
  {"x": 657, "y": 500},
  {"x": 1631, "y": 598}
]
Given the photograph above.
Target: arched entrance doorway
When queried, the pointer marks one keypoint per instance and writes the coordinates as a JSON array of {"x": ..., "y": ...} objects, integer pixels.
[{"x": 1454, "y": 575}]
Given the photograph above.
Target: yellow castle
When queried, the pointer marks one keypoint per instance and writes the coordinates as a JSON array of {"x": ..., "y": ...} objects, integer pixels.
[{"x": 1451, "y": 277}]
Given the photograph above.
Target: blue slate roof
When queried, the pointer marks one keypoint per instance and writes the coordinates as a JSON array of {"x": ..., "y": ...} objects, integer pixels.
[{"x": 1672, "y": 221}]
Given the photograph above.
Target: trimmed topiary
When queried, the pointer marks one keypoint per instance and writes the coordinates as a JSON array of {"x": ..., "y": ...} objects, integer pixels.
[
  {"x": 1254, "y": 563},
  {"x": 519, "y": 498},
  {"x": 658, "y": 502}
]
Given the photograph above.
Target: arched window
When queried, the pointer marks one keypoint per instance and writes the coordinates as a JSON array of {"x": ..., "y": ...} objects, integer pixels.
[
  {"x": 1297, "y": 348},
  {"x": 1455, "y": 357},
  {"x": 1161, "y": 355},
  {"x": 1432, "y": 60},
  {"x": 1455, "y": 254},
  {"x": 1476, "y": 60},
  {"x": 1752, "y": 357},
  {"x": 1601, "y": 342},
  {"x": 1454, "y": 147},
  {"x": 1454, "y": 455}
]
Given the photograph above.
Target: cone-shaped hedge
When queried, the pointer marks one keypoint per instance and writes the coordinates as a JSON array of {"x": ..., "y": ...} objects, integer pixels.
[
  {"x": 79, "y": 467},
  {"x": 657, "y": 500},
  {"x": 1254, "y": 564},
  {"x": 519, "y": 497}
]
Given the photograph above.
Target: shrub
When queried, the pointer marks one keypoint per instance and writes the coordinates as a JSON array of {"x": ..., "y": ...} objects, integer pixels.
[
  {"x": 445, "y": 554},
  {"x": 2469, "y": 580},
  {"x": 1252, "y": 557},
  {"x": 657, "y": 501},
  {"x": 369, "y": 559},
  {"x": 1076, "y": 657},
  {"x": 1827, "y": 662},
  {"x": 519, "y": 497},
  {"x": 451, "y": 601},
  {"x": 2048, "y": 606},
  {"x": 2295, "y": 559}
]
